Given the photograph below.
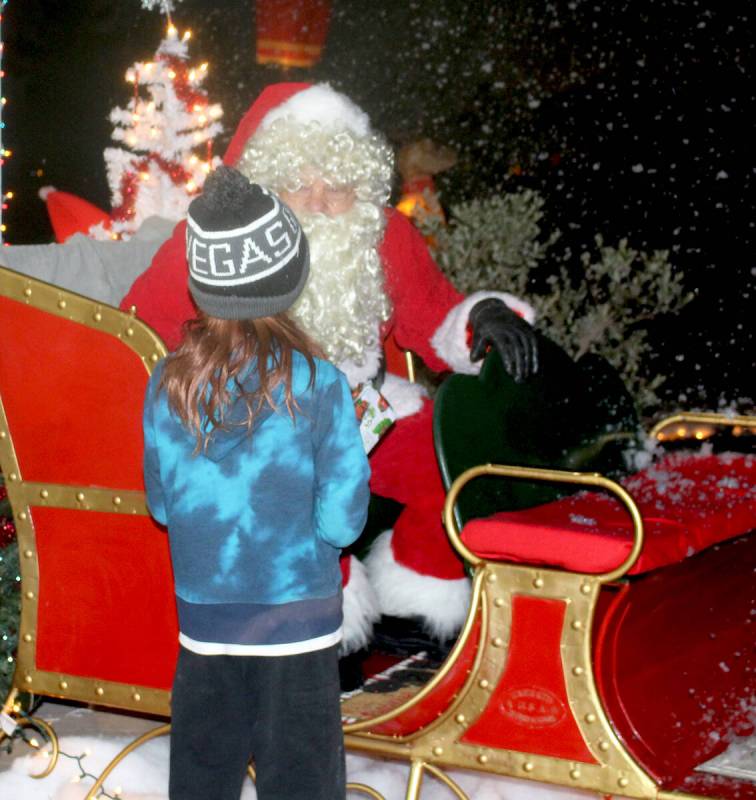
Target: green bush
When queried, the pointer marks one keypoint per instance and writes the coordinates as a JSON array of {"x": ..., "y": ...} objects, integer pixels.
[
  {"x": 602, "y": 307},
  {"x": 10, "y": 602}
]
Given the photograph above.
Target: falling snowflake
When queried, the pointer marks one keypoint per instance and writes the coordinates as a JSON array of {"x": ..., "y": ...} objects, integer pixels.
[{"x": 166, "y": 6}]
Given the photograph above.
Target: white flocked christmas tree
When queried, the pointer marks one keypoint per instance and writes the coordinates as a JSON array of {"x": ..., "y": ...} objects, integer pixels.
[{"x": 166, "y": 132}]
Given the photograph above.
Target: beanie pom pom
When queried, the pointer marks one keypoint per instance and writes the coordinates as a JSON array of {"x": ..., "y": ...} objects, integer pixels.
[{"x": 226, "y": 188}]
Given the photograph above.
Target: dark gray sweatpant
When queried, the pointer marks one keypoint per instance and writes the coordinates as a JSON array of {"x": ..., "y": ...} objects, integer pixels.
[{"x": 282, "y": 711}]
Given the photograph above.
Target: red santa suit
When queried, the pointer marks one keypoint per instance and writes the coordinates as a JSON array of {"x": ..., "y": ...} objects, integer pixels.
[{"x": 412, "y": 568}]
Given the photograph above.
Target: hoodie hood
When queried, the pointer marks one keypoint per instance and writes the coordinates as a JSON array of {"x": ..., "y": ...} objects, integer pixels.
[{"x": 223, "y": 442}]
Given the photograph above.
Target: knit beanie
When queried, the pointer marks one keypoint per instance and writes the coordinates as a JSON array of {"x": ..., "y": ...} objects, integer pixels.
[{"x": 248, "y": 257}]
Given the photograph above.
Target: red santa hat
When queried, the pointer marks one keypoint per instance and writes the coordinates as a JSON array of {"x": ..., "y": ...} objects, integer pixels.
[
  {"x": 302, "y": 102},
  {"x": 70, "y": 214}
]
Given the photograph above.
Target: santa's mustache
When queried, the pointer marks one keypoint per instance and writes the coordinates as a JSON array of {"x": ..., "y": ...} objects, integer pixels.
[{"x": 360, "y": 226}]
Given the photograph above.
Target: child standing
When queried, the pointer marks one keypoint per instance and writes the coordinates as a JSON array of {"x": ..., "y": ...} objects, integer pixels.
[{"x": 254, "y": 462}]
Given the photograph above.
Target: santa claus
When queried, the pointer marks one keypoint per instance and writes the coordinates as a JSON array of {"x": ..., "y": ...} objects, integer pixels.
[{"x": 371, "y": 277}]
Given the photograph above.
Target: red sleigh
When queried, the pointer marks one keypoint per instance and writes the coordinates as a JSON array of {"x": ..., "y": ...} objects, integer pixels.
[
  {"x": 608, "y": 645},
  {"x": 592, "y": 641}
]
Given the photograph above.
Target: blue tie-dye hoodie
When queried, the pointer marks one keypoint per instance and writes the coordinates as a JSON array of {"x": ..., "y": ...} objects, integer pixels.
[{"x": 256, "y": 523}]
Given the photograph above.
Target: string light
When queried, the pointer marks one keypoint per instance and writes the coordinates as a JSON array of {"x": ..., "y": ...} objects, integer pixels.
[
  {"x": 695, "y": 431},
  {"x": 10, "y": 594},
  {"x": 5, "y": 153},
  {"x": 26, "y": 733}
]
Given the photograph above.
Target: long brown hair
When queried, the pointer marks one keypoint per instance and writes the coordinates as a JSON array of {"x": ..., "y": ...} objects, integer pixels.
[{"x": 202, "y": 377}]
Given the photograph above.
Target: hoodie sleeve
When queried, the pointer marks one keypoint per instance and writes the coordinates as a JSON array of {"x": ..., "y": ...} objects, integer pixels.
[
  {"x": 341, "y": 468},
  {"x": 152, "y": 483}
]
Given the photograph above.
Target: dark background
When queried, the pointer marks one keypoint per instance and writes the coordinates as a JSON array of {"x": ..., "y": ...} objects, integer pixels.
[{"x": 631, "y": 118}]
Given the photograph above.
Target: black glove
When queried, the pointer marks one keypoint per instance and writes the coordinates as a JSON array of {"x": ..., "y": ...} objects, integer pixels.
[{"x": 495, "y": 324}]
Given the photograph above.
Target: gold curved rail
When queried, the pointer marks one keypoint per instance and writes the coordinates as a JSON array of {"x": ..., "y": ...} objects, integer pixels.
[
  {"x": 164, "y": 729},
  {"x": 472, "y": 615},
  {"x": 138, "y": 742},
  {"x": 52, "y": 737},
  {"x": 414, "y": 783},
  {"x": 447, "y": 781},
  {"x": 702, "y": 418},
  {"x": 11, "y": 706},
  {"x": 362, "y": 788},
  {"x": 591, "y": 479}
]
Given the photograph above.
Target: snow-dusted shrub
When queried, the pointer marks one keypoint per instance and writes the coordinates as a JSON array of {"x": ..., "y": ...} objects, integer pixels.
[
  {"x": 601, "y": 307},
  {"x": 493, "y": 243}
]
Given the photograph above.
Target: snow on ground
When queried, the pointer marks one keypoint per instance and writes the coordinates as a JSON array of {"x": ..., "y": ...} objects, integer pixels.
[{"x": 143, "y": 775}]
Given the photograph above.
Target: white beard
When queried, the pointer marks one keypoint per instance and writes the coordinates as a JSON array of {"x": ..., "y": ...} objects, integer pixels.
[{"x": 344, "y": 301}]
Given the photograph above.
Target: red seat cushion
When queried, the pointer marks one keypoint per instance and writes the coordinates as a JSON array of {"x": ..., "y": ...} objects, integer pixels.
[{"x": 688, "y": 502}]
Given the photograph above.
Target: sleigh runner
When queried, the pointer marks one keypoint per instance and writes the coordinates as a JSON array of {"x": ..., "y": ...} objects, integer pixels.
[{"x": 565, "y": 670}]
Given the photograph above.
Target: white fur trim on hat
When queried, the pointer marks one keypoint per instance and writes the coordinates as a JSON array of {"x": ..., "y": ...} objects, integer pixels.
[
  {"x": 441, "y": 604},
  {"x": 320, "y": 103},
  {"x": 360, "y": 609},
  {"x": 450, "y": 339}
]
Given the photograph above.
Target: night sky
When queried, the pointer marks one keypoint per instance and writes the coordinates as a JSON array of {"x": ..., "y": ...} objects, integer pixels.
[{"x": 631, "y": 118}]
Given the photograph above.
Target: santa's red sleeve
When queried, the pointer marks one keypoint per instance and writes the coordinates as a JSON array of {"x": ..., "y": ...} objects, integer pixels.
[
  {"x": 160, "y": 294},
  {"x": 430, "y": 316},
  {"x": 420, "y": 293}
]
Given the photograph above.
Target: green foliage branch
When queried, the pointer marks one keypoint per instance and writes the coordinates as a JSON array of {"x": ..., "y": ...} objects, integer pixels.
[{"x": 10, "y": 603}]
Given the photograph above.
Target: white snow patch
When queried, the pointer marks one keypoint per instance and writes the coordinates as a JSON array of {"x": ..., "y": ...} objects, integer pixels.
[{"x": 143, "y": 775}]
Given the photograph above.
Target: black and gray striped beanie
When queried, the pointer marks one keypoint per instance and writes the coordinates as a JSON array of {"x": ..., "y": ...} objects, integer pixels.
[{"x": 247, "y": 254}]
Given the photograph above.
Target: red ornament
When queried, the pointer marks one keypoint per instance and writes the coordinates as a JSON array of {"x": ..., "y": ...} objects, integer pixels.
[
  {"x": 129, "y": 182},
  {"x": 184, "y": 91},
  {"x": 7, "y": 531}
]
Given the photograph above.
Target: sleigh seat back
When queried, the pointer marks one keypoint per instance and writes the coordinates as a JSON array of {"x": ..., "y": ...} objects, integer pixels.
[
  {"x": 573, "y": 416},
  {"x": 98, "y": 621},
  {"x": 579, "y": 417}
]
